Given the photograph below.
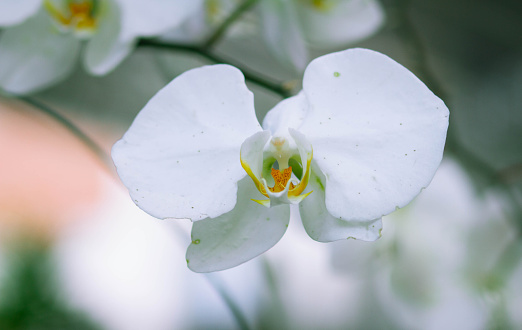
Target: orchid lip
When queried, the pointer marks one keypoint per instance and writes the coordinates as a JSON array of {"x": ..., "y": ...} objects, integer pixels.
[
  {"x": 285, "y": 189},
  {"x": 79, "y": 17}
]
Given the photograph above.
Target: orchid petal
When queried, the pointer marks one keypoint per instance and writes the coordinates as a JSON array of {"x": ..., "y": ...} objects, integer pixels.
[
  {"x": 34, "y": 55},
  {"x": 16, "y": 11},
  {"x": 105, "y": 50},
  {"x": 238, "y": 236},
  {"x": 306, "y": 154},
  {"x": 323, "y": 227},
  {"x": 179, "y": 159},
  {"x": 378, "y": 132},
  {"x": 340, "y": 22},
  {"x": 289, "y": 113},
  {"x": 282, "y": 33},
  {"x": 251, "y": 156},
  {"x": 149, "y": 18}
]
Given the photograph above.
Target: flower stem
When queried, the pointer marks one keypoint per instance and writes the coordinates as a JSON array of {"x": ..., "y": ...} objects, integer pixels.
[
  {"x": 231, "y": 19},
  {"x": 236, "y": 311},
  {"x": 413, "y": 43},
  {"x": 250, "y": 75},
  {"x": 75, "y": 130}
]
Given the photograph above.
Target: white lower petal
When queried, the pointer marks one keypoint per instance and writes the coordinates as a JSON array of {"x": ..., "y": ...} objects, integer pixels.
[
  {"x": 378, "y": 132},
  {"x": 340, "y": 22},
  {"x": 35, "y": 54},
  {"x": 238, "y": 236},
  {"x": 16, "y": 11},
  {"x": 180, "y": 157},
  {"x": 323, "y": 227}
]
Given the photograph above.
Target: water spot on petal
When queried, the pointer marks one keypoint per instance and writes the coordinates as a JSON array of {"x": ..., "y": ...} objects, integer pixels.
[
  {"x": 196, "y": 241},
  {"x": 336, "y": 74}
]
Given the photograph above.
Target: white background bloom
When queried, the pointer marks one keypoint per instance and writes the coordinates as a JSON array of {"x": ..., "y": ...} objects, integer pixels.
[
  {"x": 289, "y": 27},
  {"x": 44, "y": 46},
  {"x": 376, "y": 131}
]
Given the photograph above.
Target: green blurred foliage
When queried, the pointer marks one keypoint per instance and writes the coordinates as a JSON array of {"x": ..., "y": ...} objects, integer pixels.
[{"x": 30, "y": 296}]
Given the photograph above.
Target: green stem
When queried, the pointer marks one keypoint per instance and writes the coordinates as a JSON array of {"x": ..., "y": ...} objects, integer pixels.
[
  {"x": 75, "y": 130},
  {"x": 250, "y": 75},
  {"x": 236, "y": 311},
  {"x": 414, "y": 45},
  {"x": 231, "y": 19}
]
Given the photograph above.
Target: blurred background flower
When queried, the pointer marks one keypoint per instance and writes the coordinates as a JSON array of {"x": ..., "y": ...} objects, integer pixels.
[{"x": 76, "y": 253}]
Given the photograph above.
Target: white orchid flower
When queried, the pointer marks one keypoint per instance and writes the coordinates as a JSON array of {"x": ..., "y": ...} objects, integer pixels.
[
  {"x": 44, "y": 38},
  {"x": 362, "y": 139},
  {"x": 208, "y": 17},
  {"x": 290, "y": 26}
]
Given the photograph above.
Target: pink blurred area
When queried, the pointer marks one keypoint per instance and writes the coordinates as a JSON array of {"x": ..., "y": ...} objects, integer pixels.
[{"x": 47, "y": 176}]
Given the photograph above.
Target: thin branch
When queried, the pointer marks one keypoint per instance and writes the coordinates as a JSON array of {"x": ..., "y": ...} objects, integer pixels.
[
  {"x": 250, "y": 75},
  {"x": 71, "y": 127},
  {"x": 236, "y": 311},
  {"x": 413, "y": 42},
  {"x": 231, "y": 19}
]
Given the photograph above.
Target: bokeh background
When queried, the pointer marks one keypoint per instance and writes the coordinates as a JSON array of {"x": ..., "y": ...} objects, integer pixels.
[{"x": 76, "y": 253}]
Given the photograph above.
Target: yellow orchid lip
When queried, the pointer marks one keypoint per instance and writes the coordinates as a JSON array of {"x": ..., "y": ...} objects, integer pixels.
[{"x": 282, "y": 179}]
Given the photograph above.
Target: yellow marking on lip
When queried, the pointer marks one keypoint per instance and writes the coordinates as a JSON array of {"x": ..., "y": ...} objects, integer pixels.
[
  {"x": 281, "y": 180},
  {"x": 80, "y": 15}
]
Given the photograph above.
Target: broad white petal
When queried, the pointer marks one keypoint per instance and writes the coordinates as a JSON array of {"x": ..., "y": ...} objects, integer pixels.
[
  {"x": 377, "y": 131},
  {"x": 180, "y": 157},
  {"x": 153, "y": 17},
  {"x": 16, "y": 11},
  {"x": 289, "y": 113},
  {"x": 238, "y": 236},
  {"x": 339, "y": 22},
  {"x": 282, "y": 33},
  {"x": 34, "y": 55},
  {"x": 105, "y": 50},
  {"x": 323, "y": 227}
]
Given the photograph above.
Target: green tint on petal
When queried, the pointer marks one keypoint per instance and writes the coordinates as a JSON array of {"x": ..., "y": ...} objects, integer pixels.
[
  {"x": 323, "y": 227},
  {"x": 237, "y": 236}
]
